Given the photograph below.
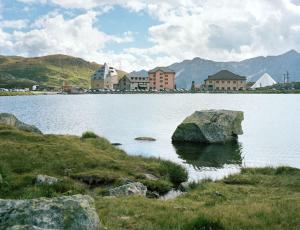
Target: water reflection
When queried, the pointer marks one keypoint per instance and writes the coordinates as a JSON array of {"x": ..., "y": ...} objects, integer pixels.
[{"x": 214, "y": 155}]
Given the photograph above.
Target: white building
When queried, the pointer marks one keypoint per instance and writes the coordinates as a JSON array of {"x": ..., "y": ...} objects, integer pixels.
[
  {"x": 264, "y": 81},
  {"x": 105, "y": 78}
]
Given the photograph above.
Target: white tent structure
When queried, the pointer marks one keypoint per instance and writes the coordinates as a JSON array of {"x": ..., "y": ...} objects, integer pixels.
[{"x": 264, "y": 81}]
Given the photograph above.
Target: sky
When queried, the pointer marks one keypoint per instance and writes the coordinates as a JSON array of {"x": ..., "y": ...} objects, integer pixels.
[{"x": 140, "y": 34}]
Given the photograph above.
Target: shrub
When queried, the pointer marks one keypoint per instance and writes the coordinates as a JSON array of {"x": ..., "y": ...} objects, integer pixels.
[
  {"x": 162, "y": 187},
  {"x": 89, "y": 134},
  {"x": 177, "y": 174},
  {"x": 204, "y": 223}
]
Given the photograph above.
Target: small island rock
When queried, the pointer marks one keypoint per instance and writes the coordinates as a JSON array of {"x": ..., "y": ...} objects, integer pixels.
[
  {"x": 67, "y": 212},
  {"x": 11, "y": 120},
  {"x": 210, "y": 126},
  {"x": 145, "y": 139}
]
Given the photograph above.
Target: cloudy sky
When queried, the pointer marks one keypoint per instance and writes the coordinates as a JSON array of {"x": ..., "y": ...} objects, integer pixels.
[{"x": 142, "y": 34}]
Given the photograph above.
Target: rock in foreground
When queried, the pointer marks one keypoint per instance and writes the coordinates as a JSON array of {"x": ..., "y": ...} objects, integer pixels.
[
  {"x": 210, "y": 126},
  {"x": 67, "y": 212},
  {"x": 11, "y": 120},
  {"x": 131, "y": 189}
]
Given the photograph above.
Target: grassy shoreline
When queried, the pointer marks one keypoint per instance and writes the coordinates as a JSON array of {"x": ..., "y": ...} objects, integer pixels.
[{"x": 256, "y": 198}]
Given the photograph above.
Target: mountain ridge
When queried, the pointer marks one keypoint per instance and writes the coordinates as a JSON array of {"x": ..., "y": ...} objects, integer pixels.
[{"x": 198, "y": 69}]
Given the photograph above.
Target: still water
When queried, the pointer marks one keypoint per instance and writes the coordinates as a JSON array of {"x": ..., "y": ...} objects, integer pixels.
[{"x": 271, "y": 126}]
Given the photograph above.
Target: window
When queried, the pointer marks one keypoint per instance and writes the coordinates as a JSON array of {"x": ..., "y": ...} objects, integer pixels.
[
  {"x": 223, "y": 88},
  {"x": 217, "y": 81},
  {"x": 210, "y": 81},
  {"x": 234, "y": 88},
  {"x": 217, "y": 88},
  {"x": 223, "y": 82},
  {"x": 234, "y": 82},
  {"x": 166, "y": 75},
  {"x": 228, "y": 82},
  {"x": 161, "y": 81},
  {"x": 228, "y": 88}
]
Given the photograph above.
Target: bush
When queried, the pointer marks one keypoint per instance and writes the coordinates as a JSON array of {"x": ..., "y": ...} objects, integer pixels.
[
  {"x": 162, "y": 187},
  {"x": 89, "y": 134},
  {"x": 204, "y": 223},
  {"x": 177, "y": 174}
]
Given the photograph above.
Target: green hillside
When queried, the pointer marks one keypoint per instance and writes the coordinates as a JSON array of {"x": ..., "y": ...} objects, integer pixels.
[{"x": 46, "y": 71}]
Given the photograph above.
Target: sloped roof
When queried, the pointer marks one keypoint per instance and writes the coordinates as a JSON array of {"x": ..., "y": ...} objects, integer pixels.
[
  {"x": 264, "y": 81},
  {"x": 226, "y": 75},
  {"x": 163, "y": 69}
]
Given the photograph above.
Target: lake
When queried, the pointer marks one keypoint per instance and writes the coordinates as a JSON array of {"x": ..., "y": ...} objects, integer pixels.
[{"x": 271, "y": 126}]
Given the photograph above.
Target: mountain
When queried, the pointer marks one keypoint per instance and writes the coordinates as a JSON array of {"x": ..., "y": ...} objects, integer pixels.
[
  {"x": 198, "y": 69},
  {"x": 49, "y": 70}
]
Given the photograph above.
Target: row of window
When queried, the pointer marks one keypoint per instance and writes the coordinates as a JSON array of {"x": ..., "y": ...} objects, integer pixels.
[
  {"x": 228, "y": 88},
  {"x": 138, "y": 78},
  {"x": 234, "y": 82}
]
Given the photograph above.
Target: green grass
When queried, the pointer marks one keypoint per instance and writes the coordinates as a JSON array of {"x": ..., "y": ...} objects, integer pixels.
[
  {"x": 49, "y": 70},
  {"x": 84, "y": 163},
  {"x": 256, "y": 198}
]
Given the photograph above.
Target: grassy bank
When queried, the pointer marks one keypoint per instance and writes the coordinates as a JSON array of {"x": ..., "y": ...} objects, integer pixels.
[
  {"x": 15, "y": 94},
  {"x": 267, "y": 198}
]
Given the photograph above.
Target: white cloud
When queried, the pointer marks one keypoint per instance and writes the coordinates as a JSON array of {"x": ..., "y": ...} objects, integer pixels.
[
  {"x": 220, "y": 30},
  {"x": 13, "y": 24},
  {"x": 54, "y": 34}
]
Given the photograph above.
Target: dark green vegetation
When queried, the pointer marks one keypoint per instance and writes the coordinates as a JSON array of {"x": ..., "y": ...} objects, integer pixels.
[
  {"x": 266, "y": 198},
  {"x": 48, "y": 71}
]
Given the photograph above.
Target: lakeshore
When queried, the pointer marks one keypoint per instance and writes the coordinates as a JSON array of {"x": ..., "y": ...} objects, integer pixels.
[{"x": 254, "y": 198}]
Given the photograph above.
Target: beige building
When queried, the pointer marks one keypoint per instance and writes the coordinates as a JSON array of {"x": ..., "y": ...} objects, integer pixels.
[
  {"x": 162, "y": 78},
  {"x": 132, "y": 82},
  {"x": 105, "y": 78},
  {"x": 225, "y": 81}
]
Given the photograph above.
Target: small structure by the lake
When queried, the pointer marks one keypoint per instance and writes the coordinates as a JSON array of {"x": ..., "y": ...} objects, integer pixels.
[
  {"x": 225, "y": 81},
  {"x": 162, "y": 78},
  {"x": 105, "y": 78},
  {"x": 264, "y": 81},
  {"x": 133, "y": 82}
]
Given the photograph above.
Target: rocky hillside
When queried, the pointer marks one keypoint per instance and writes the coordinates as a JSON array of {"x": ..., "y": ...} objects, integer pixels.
[{"x": 47, "y": 71}]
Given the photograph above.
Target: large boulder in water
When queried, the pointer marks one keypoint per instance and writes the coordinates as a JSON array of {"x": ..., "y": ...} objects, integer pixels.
[
  {"x": 66, "y": 212},
  {"x": 11, "y": 120},
  {"x": 210, "y": 126}
]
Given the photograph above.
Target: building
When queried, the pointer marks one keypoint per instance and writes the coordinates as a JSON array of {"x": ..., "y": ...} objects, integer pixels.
[
  {"x": 133, "y": 82},
  {"x": 264, "y": 81},
  {"x": 105, "y": 78},
  {"x": 162, "y": 78},
  {"x": 225, "y": 81}
]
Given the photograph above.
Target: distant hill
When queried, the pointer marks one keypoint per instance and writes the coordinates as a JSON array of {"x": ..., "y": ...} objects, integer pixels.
[
  {"x": 198, "y": 69},
  {"x": 49, "y": 70}
]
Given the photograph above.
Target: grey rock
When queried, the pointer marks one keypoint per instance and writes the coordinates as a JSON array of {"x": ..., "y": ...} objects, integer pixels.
[
  {"x": 184, "y": 186},
  {"x": 132, "y": 189},
  {"x": 66, "y": 212},
  {"x": 44, "y": 179},
  {"x": 11, "y": 120},
  {"x": 150, "y": 176},
  {"x": 210, "y": 126}
]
